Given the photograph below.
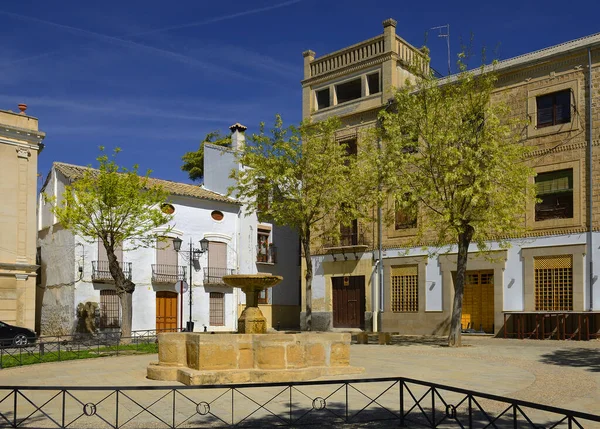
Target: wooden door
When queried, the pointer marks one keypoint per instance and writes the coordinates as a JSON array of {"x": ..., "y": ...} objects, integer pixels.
[
  {"x": 166, "y": 311},
  {"x": 348, "y": 301},
  {"x": 478, "y": 301}
]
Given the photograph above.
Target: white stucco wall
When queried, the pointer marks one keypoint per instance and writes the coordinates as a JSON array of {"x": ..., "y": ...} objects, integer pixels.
[
  {"x": 218, "y": 163},
  {"x": 513, "y": 292}
]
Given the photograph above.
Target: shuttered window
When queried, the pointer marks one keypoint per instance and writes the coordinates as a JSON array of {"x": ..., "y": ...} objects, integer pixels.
[
  {"x": 217, "y": 309},
  {"x": 110, "y": 309},
  {"x": 554, "y": 109},
  {"x": 405, "y": 290},
  {"x": 553, "y": 283},
  {"x": 555, "y": 190}
]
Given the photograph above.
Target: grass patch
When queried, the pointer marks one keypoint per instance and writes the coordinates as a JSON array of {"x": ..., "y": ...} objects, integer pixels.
[{"x": 53, "y": 353}]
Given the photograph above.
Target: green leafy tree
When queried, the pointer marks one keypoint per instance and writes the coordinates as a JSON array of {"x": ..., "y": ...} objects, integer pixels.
[
  {"x": 458, "y": 154},
  {"x": 193, "y": 162},
  {"x": 298, "y": 177},
  {"x": 118, "y": 207}
]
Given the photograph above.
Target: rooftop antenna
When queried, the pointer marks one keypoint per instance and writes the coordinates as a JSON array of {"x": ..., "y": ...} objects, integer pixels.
[{"x": 444, "y": 31}]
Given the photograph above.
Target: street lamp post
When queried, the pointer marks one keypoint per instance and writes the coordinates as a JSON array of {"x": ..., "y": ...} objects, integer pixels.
[{"x": 193, "y": 256}]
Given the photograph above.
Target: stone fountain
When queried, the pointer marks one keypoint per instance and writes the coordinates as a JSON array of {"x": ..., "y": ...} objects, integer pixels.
[{"x": 252, "y": 354}]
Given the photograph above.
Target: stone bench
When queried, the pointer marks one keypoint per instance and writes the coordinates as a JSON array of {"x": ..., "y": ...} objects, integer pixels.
[{"x": 382, "y": 337}]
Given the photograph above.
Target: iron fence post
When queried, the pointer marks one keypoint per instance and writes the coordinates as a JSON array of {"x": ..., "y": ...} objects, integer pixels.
[
  {"x": 346, "y": 402},
  {"x": 232, "y": 405},
  {"x": 15, "y": 408},
  {"x": 117, "y": 409},
  {"x": 433, "y": 407},
  {"x": 470, "y": 412},
  {"x": 515, "y": 416},
  {"x": 64, "y": 393},
  {"x": 290, "y": 388},
  {"x": 401, "y": 384},
  {"x": 173, "y": 408}
]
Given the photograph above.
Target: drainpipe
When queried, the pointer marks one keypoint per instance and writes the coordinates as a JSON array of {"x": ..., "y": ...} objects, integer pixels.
[
  {"x": 590, "y": 182},
  {"x": 380, "y": 245}
]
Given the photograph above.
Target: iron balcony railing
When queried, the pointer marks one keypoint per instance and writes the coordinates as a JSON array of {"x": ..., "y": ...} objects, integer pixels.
[
  {"x": 354, "y": 238},
  {"x": 163, "y": 273},
  {"x": 101, "y": 272},
  {"x": 365, "y": 403},
  {"x": 266, "y": 254},
  {"x": 214, "y": 275}
]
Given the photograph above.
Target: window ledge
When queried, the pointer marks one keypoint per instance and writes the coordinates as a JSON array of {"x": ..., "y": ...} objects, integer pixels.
[{"x": 265, "y": 263}]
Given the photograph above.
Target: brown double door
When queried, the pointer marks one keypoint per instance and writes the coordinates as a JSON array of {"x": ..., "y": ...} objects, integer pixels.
[
  {"x": 166, "y": 311},
  {"x": 348, "y": 301}
]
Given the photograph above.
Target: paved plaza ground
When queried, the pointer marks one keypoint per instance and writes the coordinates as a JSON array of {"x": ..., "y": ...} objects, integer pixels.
[{"x": 565, "y": 374}]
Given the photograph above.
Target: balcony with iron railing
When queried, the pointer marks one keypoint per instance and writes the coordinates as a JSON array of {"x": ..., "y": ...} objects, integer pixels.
[
  {"x": 266, "y": 254},
  {"x": 214, "y": 275},
  {"x": 101, "y": 271},
  {"x": 163, "y": 273}
]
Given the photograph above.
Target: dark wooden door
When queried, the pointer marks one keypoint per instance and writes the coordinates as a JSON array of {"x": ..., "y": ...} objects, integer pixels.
[
  {"x": 348, "y": 301},
  {"x": 166, "y": 311}
]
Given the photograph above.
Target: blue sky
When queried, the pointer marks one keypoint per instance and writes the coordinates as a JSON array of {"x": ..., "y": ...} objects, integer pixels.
[{"x": 153, "y": 77}]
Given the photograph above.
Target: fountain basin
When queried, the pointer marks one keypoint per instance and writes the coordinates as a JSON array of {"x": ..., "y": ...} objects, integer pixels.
[{"x": 199, "y": 358}]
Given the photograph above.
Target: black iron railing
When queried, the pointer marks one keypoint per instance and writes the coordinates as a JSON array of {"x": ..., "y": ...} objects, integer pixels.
[
  {"x": 266, "y": 254},
  {"x": 162, "y": 273},
  {"x": 54, "y": 349},
  {"x": 101, "y": 272},
  {"x": 347, "y": 240},
  {"x": 390, "y": 401},
  {"x": 214, "y": 275}
]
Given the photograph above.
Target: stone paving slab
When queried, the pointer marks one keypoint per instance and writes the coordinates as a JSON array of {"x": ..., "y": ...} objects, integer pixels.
[{"x": 562, "y": 374}]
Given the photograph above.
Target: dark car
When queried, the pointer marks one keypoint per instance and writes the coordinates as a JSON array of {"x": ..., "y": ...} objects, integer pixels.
[{"x": 15, "y": 335}]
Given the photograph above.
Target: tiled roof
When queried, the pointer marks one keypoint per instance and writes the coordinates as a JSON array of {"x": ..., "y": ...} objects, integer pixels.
[
  {"x": 539, "y": 55},
  {"x": 73, "y": 172}
]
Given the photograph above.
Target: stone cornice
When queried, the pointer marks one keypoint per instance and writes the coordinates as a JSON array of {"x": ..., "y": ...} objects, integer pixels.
[
  {"x": 561, "y": 148},
  {"x": 9, "y": 133},
  {"x": 18, "y": 267}
]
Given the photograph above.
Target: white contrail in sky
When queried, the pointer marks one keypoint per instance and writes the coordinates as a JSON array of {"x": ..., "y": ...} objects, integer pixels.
[{"x": 218, "y": 18}]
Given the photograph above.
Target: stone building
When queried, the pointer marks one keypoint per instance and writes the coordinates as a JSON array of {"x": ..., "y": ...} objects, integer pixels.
[
  {"x": 75, "y": 273},
  {"x": 547, "y": 281},
  {"x": 20, "y": 143}
]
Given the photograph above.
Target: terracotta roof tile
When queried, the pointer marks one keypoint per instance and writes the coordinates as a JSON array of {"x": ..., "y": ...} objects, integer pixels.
[{"x": 73, "y": 172}]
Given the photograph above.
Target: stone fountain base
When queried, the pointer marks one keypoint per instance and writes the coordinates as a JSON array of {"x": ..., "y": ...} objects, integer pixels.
[{"x": 199, "y": 358}]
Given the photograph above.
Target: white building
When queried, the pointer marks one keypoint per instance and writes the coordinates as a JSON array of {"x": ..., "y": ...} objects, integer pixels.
[{"x": 76, "y": 272}]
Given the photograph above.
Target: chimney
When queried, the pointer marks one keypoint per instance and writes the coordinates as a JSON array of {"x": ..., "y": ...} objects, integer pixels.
[
  {"x": 22, "y": 108},
  {"x": 237, "y": 136}
]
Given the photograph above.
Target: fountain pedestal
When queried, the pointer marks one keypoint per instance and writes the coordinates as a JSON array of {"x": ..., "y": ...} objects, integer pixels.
[{"x": 252, "y": 321}]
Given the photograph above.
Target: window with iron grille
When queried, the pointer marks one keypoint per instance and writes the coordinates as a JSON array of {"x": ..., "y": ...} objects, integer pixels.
[
  {"x": 405, "y": 289},
  {"x": 555, "y": 190},
  {"x": 217, "y": 309},
  {"x": 554, "y": 108},
  {"x": 553, "y": 283},
  {"x": 110, "y": 309}
]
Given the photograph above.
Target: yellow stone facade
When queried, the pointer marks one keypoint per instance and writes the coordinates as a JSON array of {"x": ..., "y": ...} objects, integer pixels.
[
  {"x": 556, "y": 147},
  {"x": 20, "y": 143}
]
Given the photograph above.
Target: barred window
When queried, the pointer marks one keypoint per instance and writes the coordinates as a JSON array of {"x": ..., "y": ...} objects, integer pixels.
[
  {"x": 217, "y": 309},
  {"x": 553, "y": 283},
  {"x": 110, "y": 309},
  {"x": 405, "y": 291}
]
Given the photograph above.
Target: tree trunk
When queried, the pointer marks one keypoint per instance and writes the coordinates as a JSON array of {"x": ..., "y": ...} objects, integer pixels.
[
  {"x": 124, "y": 288},
  {"x": 308, "y": 278},
  {"x": 464, "y": 239}
]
